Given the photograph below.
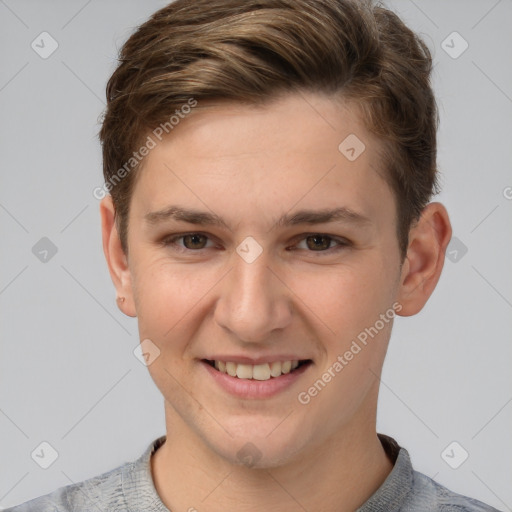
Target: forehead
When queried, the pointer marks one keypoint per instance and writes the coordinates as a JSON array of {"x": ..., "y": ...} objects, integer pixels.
[
  {"x": 300, "y": 145},
  {"x": 299, "y": 121}
]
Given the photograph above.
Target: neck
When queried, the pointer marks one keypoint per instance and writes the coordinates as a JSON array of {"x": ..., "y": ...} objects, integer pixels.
[{"x": 344, "y": 472}]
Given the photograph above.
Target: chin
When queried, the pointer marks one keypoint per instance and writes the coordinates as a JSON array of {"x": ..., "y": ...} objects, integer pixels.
[{"x": 260, "y": 451}]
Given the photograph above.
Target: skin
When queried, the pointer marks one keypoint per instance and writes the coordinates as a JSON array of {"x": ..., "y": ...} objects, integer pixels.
[{"x": 250, "y": 166}]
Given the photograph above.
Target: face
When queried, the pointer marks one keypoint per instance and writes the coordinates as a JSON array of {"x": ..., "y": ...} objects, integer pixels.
[{"x": 235, "y": 255}]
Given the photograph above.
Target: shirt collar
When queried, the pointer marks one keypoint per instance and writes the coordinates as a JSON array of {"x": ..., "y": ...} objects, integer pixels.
[
  {"x": 138, "y": 485},
  {"x": 391, "y": 495},
  {"x": 140, "y": 493}
]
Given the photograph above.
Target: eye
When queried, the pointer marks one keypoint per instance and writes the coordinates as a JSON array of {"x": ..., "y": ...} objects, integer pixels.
[
  {"x": 318, "y": 242},
  {"x": 191, "y": 242}
]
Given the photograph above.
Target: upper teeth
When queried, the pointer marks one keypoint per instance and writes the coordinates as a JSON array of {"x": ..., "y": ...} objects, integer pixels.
[{"x": 256, "y": 371}]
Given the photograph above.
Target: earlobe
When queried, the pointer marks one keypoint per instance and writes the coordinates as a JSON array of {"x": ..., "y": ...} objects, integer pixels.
[
  {"x": 421, "y": 270},
  {"x": 117, "y": 261}
]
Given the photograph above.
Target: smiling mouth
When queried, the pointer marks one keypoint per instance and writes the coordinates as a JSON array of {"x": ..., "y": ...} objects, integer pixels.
[{"x": 261, "y": 372}]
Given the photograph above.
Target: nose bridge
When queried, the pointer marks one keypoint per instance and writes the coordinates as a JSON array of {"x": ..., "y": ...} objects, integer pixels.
[{"x": 253, "y": 301}]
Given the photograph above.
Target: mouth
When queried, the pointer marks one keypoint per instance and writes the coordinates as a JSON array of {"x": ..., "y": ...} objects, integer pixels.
[{"x": 258, "y": 372}]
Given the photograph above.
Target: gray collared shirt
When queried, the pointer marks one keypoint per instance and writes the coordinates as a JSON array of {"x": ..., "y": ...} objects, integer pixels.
[{"x": 130, "y": 488}]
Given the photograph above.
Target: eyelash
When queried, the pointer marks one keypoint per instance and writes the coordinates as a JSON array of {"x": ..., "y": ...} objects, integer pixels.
[{"x": 170, "y": 241}]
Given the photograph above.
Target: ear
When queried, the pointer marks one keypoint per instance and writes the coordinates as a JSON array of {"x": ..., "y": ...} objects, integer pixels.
[
  {"x": 116, "y": 259},
  {"x": 422, "y": 266}
]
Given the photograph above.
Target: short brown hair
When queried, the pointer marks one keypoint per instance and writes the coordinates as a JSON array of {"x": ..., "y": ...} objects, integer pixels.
[{"x": 251, "y": 51}]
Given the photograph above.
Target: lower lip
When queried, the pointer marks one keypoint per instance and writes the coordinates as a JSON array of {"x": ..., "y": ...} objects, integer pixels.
[{"x": 251, "y": 388}]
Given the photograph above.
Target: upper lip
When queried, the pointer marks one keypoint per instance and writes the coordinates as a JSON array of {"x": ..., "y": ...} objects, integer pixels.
[{"x": 240, "y": 359}]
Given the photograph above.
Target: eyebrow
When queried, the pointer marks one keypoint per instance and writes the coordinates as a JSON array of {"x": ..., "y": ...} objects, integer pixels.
[{"x": 310, "y": 217}]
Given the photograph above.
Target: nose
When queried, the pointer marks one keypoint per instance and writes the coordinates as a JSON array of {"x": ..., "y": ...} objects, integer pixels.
[{"x": 254, "y": 302}]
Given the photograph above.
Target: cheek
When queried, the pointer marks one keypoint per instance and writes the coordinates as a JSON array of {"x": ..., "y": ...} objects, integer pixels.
[
  {"x": 344, "y": 300},
  {"x": 164, "y": 295},
  {"x": 354, "y": 353}
]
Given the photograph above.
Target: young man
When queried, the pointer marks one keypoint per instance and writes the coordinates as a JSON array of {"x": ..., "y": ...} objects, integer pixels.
[{"x": 269, "y": 166}]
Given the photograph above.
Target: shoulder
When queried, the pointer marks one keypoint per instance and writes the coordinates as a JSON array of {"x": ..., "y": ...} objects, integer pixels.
[
  {"x": 124, "y": 488},
  {"x": 429, "y": 495},
  {"x": 102, "y": 492},
  {"x": 407, "y": 490}
]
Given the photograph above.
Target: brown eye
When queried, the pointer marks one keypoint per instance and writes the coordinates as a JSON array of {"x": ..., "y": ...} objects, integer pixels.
[
  {"x": 187, "y": 243},
  {"x": 321, "y": 244},
  {"x": 194, "y": 241},
  {"x": 318, "y": 242}
]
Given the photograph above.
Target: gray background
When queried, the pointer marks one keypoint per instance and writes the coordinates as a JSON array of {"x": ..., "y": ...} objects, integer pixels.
[{"x": 67, "y": 369}]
